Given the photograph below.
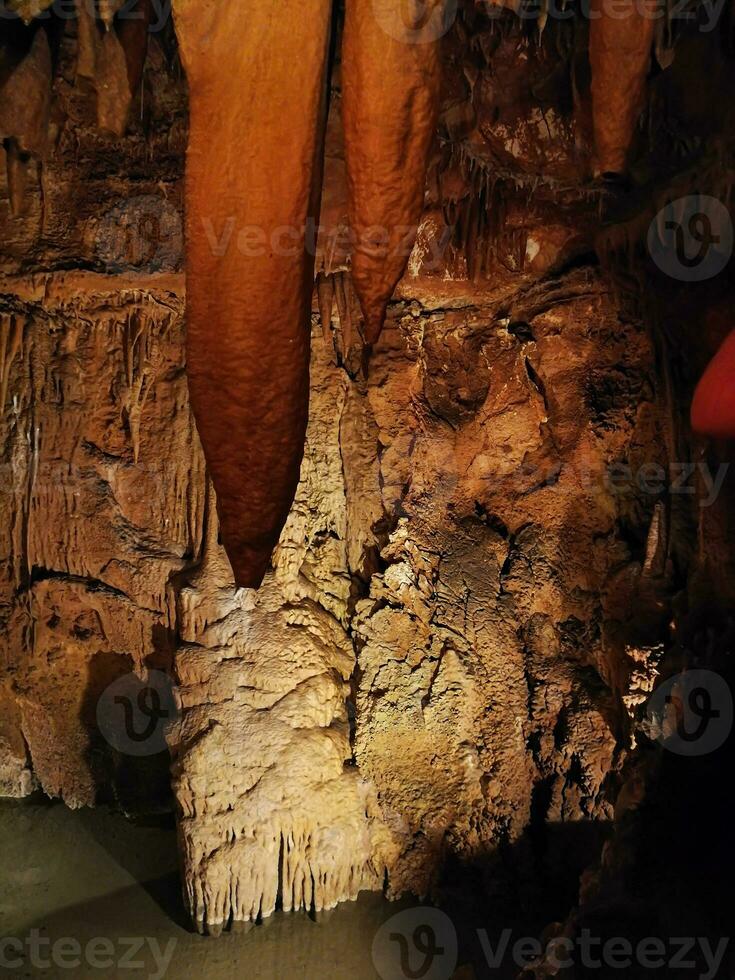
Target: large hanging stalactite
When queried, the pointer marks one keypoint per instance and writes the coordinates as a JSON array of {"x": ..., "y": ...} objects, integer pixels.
[
  {"x": 113, "y": 61},
  {"x": 389, "y": 119},
  {"x": 25, "y": 101},
  {"x": 257, "y": 112},
  {"x": 620, "y": 54},
  {"x": 254, "y": 166}
]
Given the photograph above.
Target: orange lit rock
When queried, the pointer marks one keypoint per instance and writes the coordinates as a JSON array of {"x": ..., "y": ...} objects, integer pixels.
[
  {"x": 620, "y": 50},
  {"x": 24, "y": 116},
  {"x": 257, "y": 98},
  {"x": 391, "y": 76}
]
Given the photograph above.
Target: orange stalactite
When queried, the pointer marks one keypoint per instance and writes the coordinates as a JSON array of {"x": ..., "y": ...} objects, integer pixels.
[
  {"x": 621, "y": 38},
  {"x": 391, "y": 76},
  {"x": 257, "y": 120},
  {"x": 257, "y": 87}
]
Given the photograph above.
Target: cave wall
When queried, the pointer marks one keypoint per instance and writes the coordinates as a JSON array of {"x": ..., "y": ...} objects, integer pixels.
[
  {"x": 446, "y": 651},
  {"x": 458, "y": 571}
]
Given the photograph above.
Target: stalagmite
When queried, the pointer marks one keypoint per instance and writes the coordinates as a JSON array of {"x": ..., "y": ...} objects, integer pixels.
[
  {"x": 620, "y": 52},
  {"x": 713, "y": 408},
  {"x": 391, "y": 76},
  {"x": 257, "y": 83}
]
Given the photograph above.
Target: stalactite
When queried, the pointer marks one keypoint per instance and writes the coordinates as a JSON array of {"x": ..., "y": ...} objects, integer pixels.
[
  {"x": 389, "y": 119},
  {"x": 343, "y": 295},
  {"x": 114, "y": 99},
  {"x": 11, "y": 344},
  {"x": 87, "y": 41},
  {"x": 106, "y": 10},
  {"x": 113, "y": 62},
  {"x": 132, "y": 32},
  {"x": 25, "y": 101},
  {"x": 620, "y": 56},
  {"x": 28, "y": 9},
  {"x": 257, "y": 114}
]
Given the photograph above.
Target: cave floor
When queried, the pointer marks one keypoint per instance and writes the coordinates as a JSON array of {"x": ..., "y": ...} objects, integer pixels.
[
  {"x": 92, "y": 874},
  {"x": 89, "y": 893}
]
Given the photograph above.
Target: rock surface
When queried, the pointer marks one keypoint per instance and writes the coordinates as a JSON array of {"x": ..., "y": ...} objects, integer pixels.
[
  {"x": 447, "y": 652},
  {"x": 442, "y": 637}
]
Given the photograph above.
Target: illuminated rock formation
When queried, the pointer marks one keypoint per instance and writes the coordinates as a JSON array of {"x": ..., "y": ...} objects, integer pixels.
[
  {"x": 479, "y": 582},
  {"x": 621, "y": 40},
  {"x": 390, "y": 119}
]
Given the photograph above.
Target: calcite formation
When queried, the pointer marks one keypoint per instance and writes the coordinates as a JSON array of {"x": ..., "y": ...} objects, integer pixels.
[
  {"x": 390, "y": 116},
  {"x": 257, "y": 111},
  {"x": 24, "y": 117},
  {"x": 472, "y": 596},
  {"x": 112, "y": 61},
  {"x": 428, "y": 648},
  {"x": 252, "y": 211},
  {"x": 621, "y": 41}
]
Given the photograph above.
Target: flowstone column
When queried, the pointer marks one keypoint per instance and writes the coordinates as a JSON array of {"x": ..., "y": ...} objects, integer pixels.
[{"x": 272, "y": 809}]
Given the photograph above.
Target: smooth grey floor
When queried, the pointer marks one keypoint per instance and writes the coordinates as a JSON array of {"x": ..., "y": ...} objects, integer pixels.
[{"x": 105, "y": 892}]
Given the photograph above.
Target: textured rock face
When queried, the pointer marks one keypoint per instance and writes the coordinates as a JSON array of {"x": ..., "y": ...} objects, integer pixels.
[
  {"x": 443, "y": 655},
  {"x": 102, "y": 505},
  {"x": 440, "y": 637}
]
